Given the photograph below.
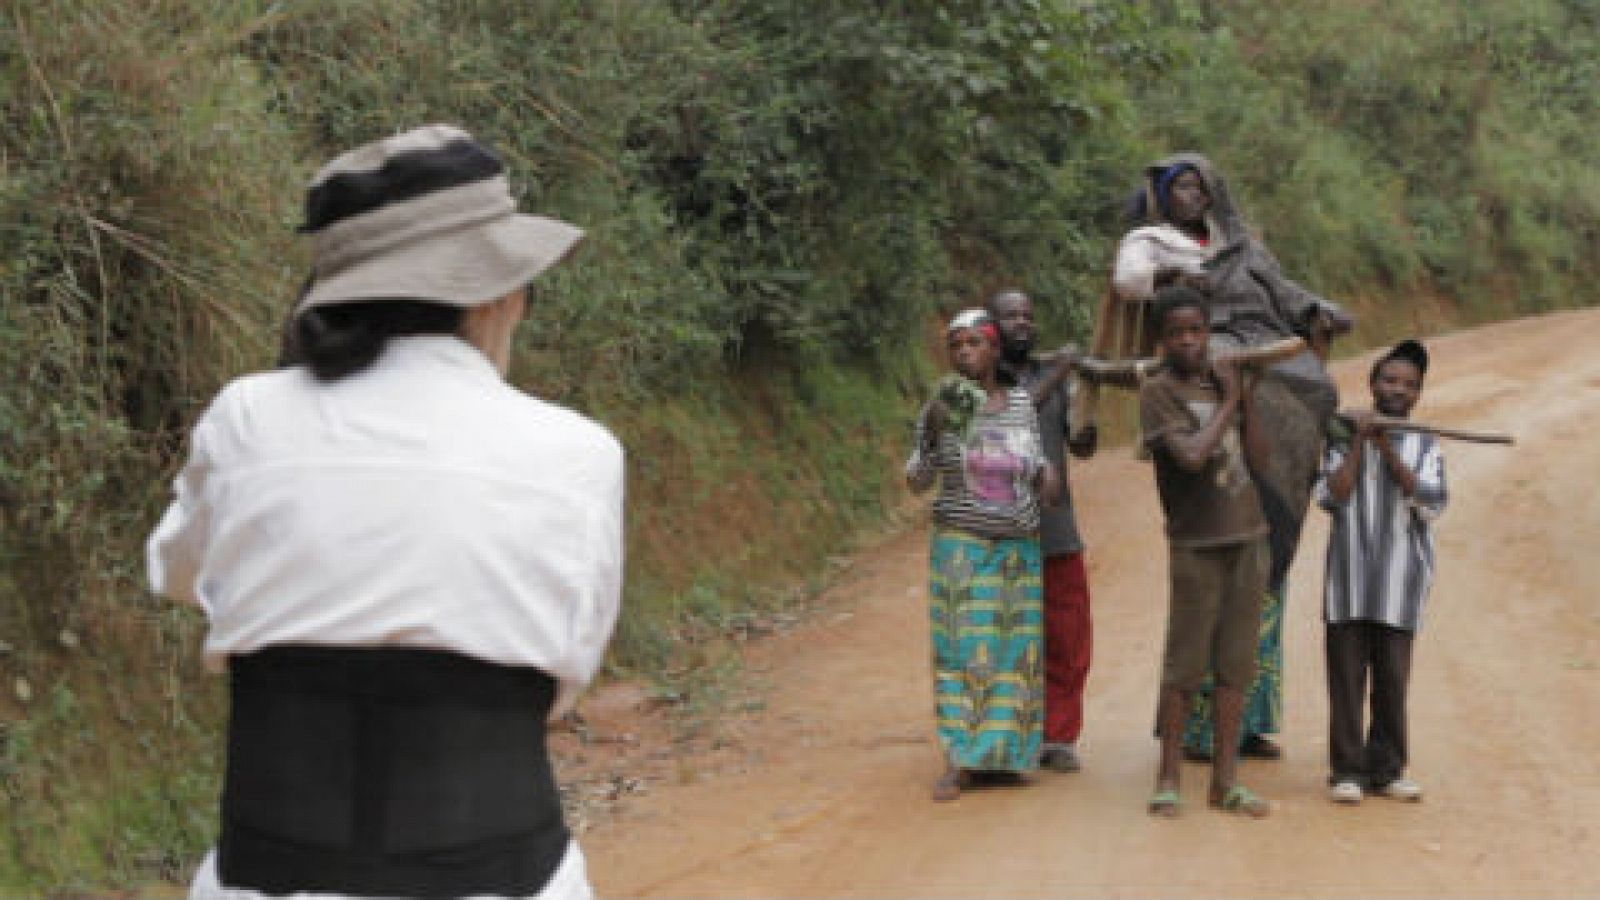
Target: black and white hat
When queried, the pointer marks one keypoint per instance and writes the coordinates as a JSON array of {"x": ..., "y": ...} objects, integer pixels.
[{"x": 426, "y": 215}]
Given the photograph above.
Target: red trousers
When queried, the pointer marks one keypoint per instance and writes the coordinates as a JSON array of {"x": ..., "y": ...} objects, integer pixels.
[{"x": 1068, "y": 645}]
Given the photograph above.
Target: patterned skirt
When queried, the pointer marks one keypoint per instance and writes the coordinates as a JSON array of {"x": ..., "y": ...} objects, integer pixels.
[
  {"x": 1263, "y": 703},
  {"x": 988, "y": 650}
]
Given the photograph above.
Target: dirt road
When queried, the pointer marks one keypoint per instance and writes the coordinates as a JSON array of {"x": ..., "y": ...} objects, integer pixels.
[{"x": 832, "y": 794}]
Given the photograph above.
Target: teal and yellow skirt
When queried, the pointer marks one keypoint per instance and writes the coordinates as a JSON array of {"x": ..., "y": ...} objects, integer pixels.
[{"x": 988, "y": 650}]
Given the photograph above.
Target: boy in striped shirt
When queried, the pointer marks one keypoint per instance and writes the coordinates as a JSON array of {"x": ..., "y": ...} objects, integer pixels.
[{"x": 1383, "y": 488}]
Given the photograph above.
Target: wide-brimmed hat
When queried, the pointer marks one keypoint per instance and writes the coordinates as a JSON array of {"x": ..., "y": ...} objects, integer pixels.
[{"x": 426, "y": 215}]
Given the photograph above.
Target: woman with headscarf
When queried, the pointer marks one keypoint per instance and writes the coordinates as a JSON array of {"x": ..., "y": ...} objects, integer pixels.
[
  {"x": 408, "y": 565},
  {"x": 1192, "y": 232},
  {"x": 980, "y": 440}
]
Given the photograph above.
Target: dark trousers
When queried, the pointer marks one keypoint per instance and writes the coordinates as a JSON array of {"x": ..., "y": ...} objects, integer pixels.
[{"x": 1362, "y": 654}]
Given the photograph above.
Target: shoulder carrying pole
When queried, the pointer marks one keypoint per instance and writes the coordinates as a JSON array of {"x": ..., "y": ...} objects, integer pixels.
[{"x": 1455, "y": 434}]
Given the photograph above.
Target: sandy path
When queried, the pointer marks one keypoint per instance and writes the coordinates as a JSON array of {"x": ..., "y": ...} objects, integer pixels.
[{"x": 1505, "y": 705}]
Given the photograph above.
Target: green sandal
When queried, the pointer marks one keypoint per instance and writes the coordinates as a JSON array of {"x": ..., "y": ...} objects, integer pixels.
[
  {"x": 1240, "y": 799},
  {"x": 1165, "y": 804}
]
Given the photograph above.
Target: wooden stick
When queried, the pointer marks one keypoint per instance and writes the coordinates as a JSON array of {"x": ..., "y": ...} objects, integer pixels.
[
  {"x": 1087, "y": 410},
  {"x": 1457, "y": 434},
  {"x": 1266, "y": 354},
  {"x": 1127, "y": 373},
  {"x": 1092, "y": 371}
]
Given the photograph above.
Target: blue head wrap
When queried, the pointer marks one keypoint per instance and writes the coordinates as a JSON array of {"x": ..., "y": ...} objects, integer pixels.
[{"x": 1164, "y": 186}]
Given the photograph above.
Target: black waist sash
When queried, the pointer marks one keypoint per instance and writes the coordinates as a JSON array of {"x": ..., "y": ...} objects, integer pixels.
[{"x": 388, "y": 771}]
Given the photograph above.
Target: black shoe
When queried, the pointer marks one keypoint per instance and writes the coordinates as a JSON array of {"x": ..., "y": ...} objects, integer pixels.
[
  {"x": 1060, "y": 758},
  {"x": 1257, "y": 747}
]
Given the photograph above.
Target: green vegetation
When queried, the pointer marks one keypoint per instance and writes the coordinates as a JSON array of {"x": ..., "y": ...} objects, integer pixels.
[
  {"x": 782, "y": 196},
  {"x": 1405, "y": 154}
]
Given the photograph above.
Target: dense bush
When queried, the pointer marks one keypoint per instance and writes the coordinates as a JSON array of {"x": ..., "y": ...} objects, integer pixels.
[{"x": 1397, "y": 148}]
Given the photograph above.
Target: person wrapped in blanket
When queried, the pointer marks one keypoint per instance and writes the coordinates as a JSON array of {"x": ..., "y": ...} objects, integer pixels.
[
  {"x": 979, "y": 440},
  {"x": 1192, "y": 233}
]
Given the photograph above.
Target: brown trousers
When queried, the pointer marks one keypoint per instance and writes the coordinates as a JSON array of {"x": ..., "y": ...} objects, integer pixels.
[{"x": 1357, "y": 652}]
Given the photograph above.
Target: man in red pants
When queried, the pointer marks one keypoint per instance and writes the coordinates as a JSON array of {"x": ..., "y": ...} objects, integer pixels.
[{"x": 1068, "y": 635}]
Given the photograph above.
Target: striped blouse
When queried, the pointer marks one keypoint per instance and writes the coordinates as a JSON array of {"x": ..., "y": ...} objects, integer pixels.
[
  {"x": 1380, "y": 549},
  {"x": 986, "y": 482}
]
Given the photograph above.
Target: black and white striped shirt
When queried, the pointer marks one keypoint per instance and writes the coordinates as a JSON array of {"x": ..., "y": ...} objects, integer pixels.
[
  {"x": 1380, "y": 549},
  {"x": 986, "y": 481}
]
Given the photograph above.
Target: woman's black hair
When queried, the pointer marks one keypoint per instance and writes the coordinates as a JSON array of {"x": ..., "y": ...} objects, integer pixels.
[
  {"x": 340, "y": 340},
  {"x": 289, "y": 354}
]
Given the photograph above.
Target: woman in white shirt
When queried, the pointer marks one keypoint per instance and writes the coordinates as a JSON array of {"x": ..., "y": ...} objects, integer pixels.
[{"x": 408, "y": 564}]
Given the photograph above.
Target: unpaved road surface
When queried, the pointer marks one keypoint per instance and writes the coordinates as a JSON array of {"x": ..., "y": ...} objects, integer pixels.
[{"x": 831, "y": 796}]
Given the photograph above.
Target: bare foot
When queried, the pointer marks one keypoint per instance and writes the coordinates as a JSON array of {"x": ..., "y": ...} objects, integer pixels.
[{"x": 949, "y": 786}]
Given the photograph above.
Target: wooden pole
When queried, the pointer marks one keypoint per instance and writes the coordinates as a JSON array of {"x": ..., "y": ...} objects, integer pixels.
[{"x": 1455, "y": 434}]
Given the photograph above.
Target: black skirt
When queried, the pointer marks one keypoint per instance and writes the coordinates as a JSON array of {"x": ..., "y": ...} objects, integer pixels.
[{"x": 388, "y": 771}]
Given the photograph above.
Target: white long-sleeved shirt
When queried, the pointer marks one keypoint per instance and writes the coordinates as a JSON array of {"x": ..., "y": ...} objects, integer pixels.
[{"x": 423, "y": 502}]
